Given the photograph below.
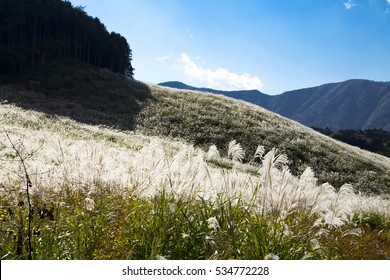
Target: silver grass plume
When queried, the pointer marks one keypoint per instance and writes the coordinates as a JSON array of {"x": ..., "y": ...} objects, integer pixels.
[
  {"x": 213, "y": 153},
  {"x": 341, "y": 207},
  {"x": 272, "y": 160},
  {"x": 259, "y": 154},
  {"x": 235, "y": 151}
]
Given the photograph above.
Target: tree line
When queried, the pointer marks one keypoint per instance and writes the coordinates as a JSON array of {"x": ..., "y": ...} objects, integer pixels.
[
  {"x": 33, "y": 32},
  {"x": 374, "y": 140}
]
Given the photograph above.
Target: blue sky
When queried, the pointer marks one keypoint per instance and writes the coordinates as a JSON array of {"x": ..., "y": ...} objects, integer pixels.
[{"x": 270, "y": 45}]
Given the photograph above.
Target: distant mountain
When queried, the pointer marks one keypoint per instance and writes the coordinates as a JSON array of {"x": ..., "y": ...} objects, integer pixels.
[{"x": 352, "y": 104}]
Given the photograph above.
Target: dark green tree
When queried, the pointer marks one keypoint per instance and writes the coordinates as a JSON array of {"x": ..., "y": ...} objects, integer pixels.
[{"x": 33, "y": 32}]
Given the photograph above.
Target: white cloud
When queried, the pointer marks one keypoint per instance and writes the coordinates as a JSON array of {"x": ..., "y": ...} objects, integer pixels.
[
  {"x": 388, "y": 8},
  {"x": 220, "y": 78},
  {"x": 162, "y": 58},
  {"x": 350, "y": 4}
]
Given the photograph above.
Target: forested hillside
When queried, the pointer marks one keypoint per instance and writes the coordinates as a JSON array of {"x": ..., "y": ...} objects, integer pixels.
[
  {"x": 33, "y": 32},
  {"x": 374, "y": 140}
]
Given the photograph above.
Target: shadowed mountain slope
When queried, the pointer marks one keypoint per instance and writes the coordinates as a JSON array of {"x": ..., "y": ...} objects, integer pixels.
[{"x": 79, "y": 91}]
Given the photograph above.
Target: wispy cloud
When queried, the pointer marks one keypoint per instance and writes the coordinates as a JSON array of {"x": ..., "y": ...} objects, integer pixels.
[
  {"x": 387, "y": 10},
  {"x": 220, "y": 78},
  {"x": 350, "y": 4},
  {"x": 162, "y": 58},
  {"x": 189, "y": 33}
]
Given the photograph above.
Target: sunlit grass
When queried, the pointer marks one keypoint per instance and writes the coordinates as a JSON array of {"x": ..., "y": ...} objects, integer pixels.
[
  {"x": 125, "y": 226},
  {"x": 98, "y": 193},
  {"x": 206, "y": 119}
]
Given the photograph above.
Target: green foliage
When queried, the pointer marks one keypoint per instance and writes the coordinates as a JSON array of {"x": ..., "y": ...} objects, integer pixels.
[
  {"x": 33, "y": 32},
  {"x": 374, "y": 140},
  {"x": 221, "y": 163},
  {"x": 124, "y": 226}
]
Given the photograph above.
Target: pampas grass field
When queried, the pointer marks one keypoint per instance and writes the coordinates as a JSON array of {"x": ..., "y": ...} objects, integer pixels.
[
  {"x": 207, "y": 119},
  {"x": 92, "y": 192}
]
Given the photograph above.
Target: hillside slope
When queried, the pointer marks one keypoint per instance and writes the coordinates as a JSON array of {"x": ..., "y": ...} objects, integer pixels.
[
  {"x": 80, "y": 91},
  {"x": 100, "y": 193},
  {"x": 206, "y": 119},
  {"x": 352, "y": 104},
  {"x": 100, "y": 97}
]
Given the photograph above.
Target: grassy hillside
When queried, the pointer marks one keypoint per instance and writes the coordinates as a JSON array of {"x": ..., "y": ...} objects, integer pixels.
[
  {"x": 206, "y": 119},
  {"x": 100, "y": 97},
  {"x": 352, "y": 104},
  {"x": 99, "y": 193},
  {"x": 79, "y": 91},
  {"x": 156, "y": 187}
]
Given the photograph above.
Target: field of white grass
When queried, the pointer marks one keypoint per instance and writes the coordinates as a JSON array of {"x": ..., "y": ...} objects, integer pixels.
[
  {"x": 206, "y": 119},
  {"x": 157, "y": 197},
  {"x": 65, "y": 151}
]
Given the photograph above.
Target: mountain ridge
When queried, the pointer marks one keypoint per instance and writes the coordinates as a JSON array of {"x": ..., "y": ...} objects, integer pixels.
[{"x": 332, "y": 105}]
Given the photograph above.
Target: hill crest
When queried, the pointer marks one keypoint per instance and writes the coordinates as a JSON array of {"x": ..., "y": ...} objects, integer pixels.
[{"x": 352, "y": 104}]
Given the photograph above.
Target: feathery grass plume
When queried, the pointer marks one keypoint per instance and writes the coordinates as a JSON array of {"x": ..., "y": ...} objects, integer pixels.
[
  {"x": 259, "y": 154},
  {"x": 319, "y": 200},
  {"x": 274, "y": 159},
  {"x": 308, "y": 178},
  {"x": 270, "y": 163},
  {"x": 235, "y": 151},
  {"x": 308, "y": 191},
  {"x": 371, "y": 204},
  {"x": 332, "y": 208},
  {"x": 213, "y": 153},
  {"x": 341, "y": 207}
]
